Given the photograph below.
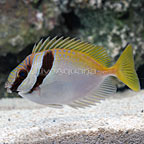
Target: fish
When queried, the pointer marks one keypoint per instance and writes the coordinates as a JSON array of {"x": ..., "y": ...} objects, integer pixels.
[{"x": 67, "y": 71}]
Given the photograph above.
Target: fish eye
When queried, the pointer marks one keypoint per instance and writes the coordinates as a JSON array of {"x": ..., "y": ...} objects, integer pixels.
[{"x": 23, "y": 73}]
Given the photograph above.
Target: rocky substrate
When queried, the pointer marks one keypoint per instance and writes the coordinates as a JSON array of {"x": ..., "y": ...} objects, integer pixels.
[
  {"x": 109, "y": 23},
  {"x": 118, "y": 120}
]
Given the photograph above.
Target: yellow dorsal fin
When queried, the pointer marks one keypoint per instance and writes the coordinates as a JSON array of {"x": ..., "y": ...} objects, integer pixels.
[{"x": 96, "y": 52}]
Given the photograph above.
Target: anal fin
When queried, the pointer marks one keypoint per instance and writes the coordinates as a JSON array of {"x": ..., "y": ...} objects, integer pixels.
[
  {"x": 58, "y": 106},
  {"x": 106, "y": 89}
]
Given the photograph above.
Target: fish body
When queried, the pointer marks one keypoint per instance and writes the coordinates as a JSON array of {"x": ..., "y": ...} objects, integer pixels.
[{"x": 66, "y": 71}]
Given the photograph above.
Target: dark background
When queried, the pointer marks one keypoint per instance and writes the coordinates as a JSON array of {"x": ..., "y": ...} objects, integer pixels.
[{"x": 109, "y": 23}]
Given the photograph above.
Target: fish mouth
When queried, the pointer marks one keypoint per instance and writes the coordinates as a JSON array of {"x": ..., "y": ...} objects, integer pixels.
[
  {"x": 7, "y": 84},
  {"x": 9, "y": 90},
  {"x": 8, "y": 87}
]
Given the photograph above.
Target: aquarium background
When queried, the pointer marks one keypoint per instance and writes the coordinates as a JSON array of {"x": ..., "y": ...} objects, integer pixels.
[{"x": 109, "y": 23}]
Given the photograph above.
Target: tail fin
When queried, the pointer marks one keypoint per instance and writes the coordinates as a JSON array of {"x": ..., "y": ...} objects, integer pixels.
[{"x": 125, "y": 70}]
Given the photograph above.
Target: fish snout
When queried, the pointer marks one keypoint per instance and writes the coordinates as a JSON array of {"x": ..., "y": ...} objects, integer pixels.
[{"x": 8, "y": 87}]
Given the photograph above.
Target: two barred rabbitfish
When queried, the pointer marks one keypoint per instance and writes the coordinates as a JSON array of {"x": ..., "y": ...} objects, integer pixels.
[{"x": 65, "y": 71}]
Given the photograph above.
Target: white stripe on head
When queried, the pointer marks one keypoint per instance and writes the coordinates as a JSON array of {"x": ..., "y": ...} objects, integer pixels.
[{"x": 31, "y": 79}]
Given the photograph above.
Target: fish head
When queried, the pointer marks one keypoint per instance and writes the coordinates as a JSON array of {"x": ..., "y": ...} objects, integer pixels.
[
  {"x": 14, "y": 79},
  {"x": 18, "y": 75},
  {"x": 29, "y": 74}
]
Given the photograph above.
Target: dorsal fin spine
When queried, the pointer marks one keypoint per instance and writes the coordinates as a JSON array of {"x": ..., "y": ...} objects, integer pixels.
[
  {"x": 98, "y": 51},
  {"x": 93, "y": 52},
  {"x": 70, "y": 45},
  {"x": 90, "y": 50},
  {"x": 68, "y": 42},
  {"x": 84, "y": 47},
  {"x": 55, "y": 43},
  {"x": 38, "y": 45},
  {"x": 78, "y": 45},
  {"x": 62, "y": 42},
  {"x": 44, "y": 44},
  {"x": 50, "y": 43},
  {"x": 34, "y": 48},
  {"x": 86, "y": 50}
]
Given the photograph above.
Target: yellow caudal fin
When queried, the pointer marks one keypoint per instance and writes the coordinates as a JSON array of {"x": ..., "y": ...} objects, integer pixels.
[{"x": 125, "y": 70}]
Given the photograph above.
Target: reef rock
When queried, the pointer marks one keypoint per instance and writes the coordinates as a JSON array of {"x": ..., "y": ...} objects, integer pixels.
[{"x": 112, "y": 24}]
